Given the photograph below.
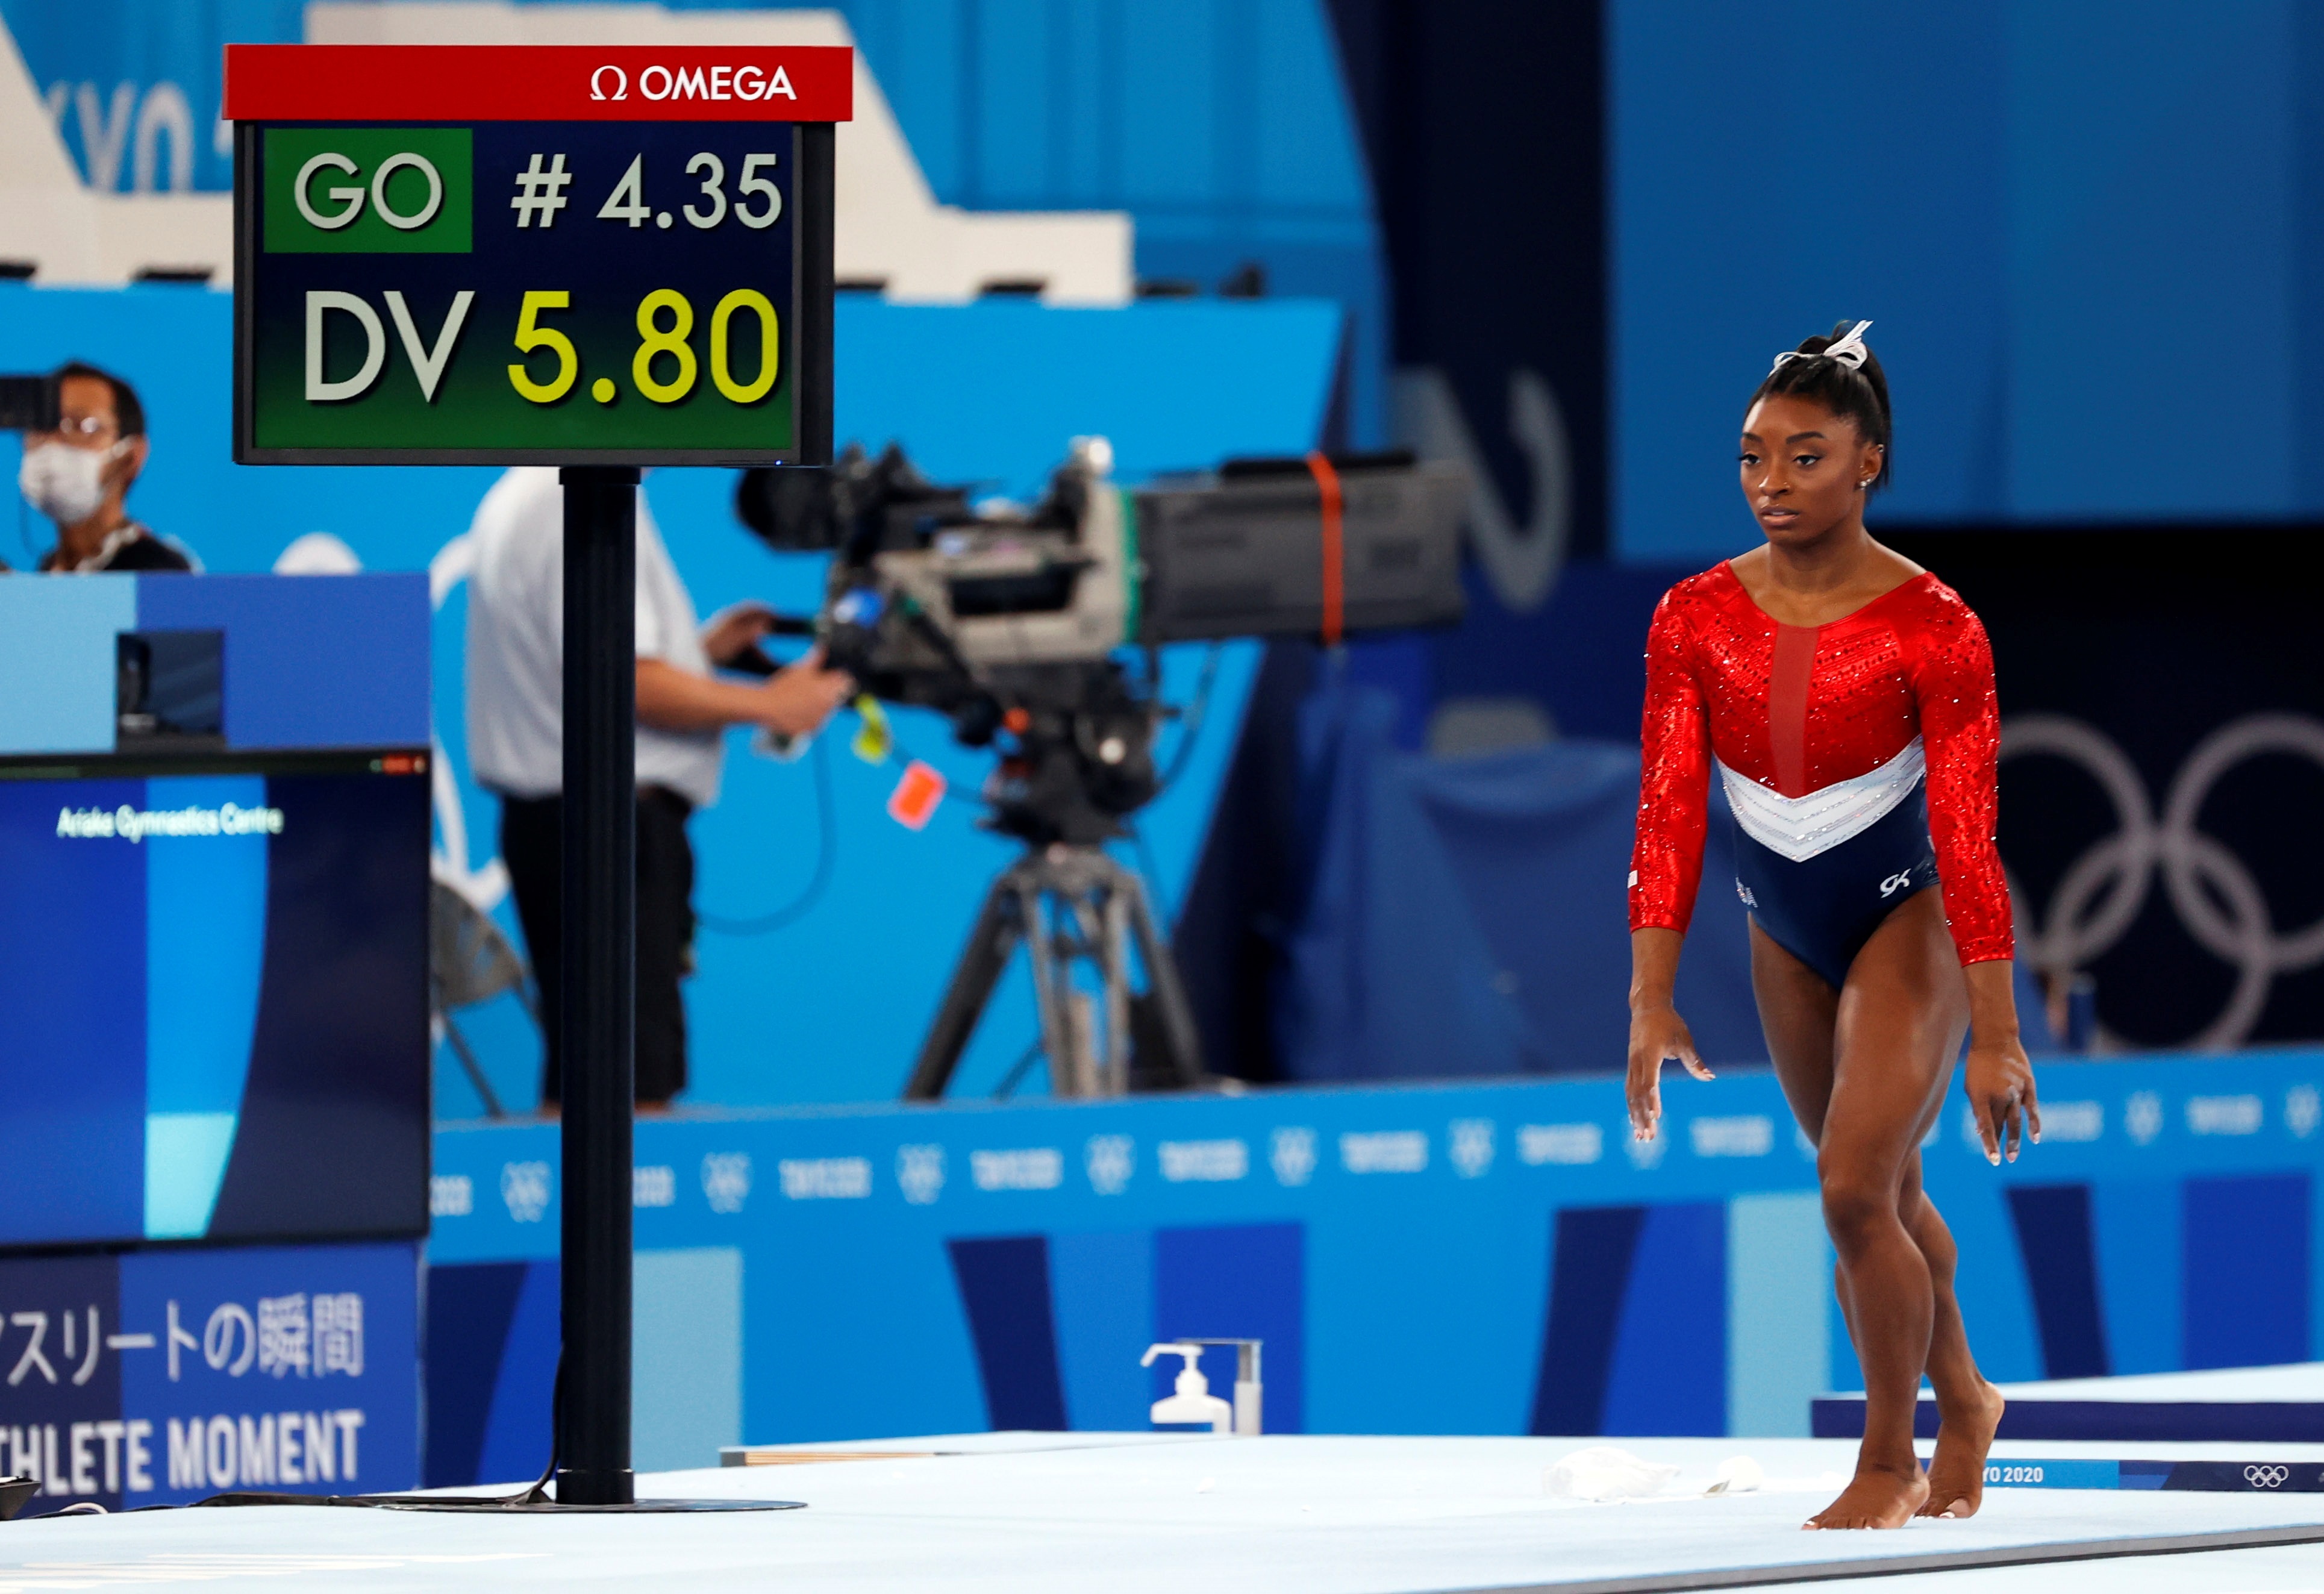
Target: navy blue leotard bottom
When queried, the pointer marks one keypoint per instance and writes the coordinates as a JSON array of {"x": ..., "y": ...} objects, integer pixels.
[{"x": 1823, "y": 910}]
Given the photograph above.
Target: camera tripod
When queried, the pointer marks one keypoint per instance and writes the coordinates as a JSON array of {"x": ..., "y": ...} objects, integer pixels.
[{"x": 1070, "y": 904}]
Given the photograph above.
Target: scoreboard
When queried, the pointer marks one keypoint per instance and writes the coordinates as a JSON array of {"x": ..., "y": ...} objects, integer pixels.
[{"x": 561, "y": 254}]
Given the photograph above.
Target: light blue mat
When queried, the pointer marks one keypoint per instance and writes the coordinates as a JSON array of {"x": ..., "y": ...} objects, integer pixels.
[{"x": 1322, "y": 1515}]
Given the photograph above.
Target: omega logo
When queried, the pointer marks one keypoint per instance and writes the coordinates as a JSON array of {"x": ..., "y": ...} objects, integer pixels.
[
  {"x": 659, "y": 83},
  {"x": 350, "y": 199}
]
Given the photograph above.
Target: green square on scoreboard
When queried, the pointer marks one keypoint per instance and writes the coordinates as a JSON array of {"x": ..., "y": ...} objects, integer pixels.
[{"x": 369, "y": 190}]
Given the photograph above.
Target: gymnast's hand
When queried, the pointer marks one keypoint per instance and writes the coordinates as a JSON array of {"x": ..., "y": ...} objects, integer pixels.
[
  {"x": 1656, "y": 1033},
  {"x": 2001, "y": 1094},
  {"x": 1999, "y": 1075}
]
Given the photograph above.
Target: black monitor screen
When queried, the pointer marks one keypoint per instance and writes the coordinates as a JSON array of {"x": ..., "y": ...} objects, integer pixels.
[{"x": 214, "y": 997}]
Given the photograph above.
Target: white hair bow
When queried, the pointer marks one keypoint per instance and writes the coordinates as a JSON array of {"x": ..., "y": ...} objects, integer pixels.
[{"x": 1849, "y": 351}]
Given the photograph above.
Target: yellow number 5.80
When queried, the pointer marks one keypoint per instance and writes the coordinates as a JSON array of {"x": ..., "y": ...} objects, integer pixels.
[{"x": 531, "y": 335}]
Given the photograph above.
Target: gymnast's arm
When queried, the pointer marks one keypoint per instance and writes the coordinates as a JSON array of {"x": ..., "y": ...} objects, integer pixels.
[
  {"x": 1666, "y": 864},
  {"x": 1961, "y": 732}
]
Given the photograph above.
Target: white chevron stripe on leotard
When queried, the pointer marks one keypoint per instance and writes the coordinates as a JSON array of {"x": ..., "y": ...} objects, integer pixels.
[{"x": 1800, "y": 827}]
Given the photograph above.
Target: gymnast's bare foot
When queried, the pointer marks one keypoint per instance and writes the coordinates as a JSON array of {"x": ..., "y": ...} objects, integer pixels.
[
  {"x": 1957, "y": 1471},
  {"x": 1874, "y": 1497}
]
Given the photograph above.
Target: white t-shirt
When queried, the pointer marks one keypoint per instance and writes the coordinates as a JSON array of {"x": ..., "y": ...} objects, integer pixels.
[{"x": 516, "y": 646}]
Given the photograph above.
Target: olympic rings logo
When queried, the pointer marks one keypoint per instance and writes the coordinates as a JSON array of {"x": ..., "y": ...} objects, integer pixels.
[
  {"x": 2210, "y": 888},
  {"x": 2267, "y": 1477}
]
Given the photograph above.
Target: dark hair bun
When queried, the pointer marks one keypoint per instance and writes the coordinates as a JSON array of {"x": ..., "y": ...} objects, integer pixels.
[{"x": 1859, "y": 393}]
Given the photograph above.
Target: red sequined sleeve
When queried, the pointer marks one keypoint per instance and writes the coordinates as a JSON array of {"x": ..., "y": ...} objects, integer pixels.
[
  {"x": 1960, "y": 731},
  {"x": 1674, "y": 779}
]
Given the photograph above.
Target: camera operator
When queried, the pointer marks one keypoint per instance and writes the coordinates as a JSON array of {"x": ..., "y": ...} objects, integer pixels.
[
  {"x": 80, "y": 475},
  {"x": 516, "y": 625}
]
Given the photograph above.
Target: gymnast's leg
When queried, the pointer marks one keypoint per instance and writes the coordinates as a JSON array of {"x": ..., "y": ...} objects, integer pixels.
[
  {"x": 1969, "y": 1409},
  {"x": 1798, "y": 1013},
  {"x": 1900, "y": 1019}
]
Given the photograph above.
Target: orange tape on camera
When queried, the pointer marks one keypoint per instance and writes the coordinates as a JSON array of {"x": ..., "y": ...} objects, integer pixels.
[
  {"x": 914, "y": 801},
  {"x": 1335, "y": 557}
]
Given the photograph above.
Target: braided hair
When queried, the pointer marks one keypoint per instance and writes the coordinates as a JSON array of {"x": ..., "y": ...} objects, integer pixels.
[{"x": 1856, "y": 390}]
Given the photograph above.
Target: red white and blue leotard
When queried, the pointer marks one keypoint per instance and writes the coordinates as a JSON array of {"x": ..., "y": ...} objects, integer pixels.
[{"x": 1857, "y": 759}]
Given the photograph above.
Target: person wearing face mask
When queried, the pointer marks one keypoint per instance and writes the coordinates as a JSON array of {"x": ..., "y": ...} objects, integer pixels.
[{"x": 80, "y": 475}]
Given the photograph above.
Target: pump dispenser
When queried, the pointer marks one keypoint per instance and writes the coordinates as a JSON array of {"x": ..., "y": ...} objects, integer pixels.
[{"x": 1194, "y": 1401}]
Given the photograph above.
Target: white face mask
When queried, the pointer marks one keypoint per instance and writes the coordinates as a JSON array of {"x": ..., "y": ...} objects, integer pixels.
[{"x": 64, "y": 482}]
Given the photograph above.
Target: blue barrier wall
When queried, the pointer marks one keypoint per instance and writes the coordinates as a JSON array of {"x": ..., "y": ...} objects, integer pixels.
[
  {"x": 1471, "y": 1259},
  {"x": 309, "y": 664}
]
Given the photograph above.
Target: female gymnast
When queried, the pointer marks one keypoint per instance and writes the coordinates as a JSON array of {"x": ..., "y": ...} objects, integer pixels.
[{"x": 1845, "y": 697}]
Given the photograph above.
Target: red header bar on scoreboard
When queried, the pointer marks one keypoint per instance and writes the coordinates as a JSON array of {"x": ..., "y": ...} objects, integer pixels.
[{"x": 539, "y": 83}]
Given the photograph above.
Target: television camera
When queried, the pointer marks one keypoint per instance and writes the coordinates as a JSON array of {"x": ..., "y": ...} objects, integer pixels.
[{"x": 1014, "y": 620}]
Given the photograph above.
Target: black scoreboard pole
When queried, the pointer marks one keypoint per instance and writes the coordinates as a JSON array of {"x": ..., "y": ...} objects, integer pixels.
[
  {"x": 596, "y": 259},
  {"x": 597, "y": 1016}
]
